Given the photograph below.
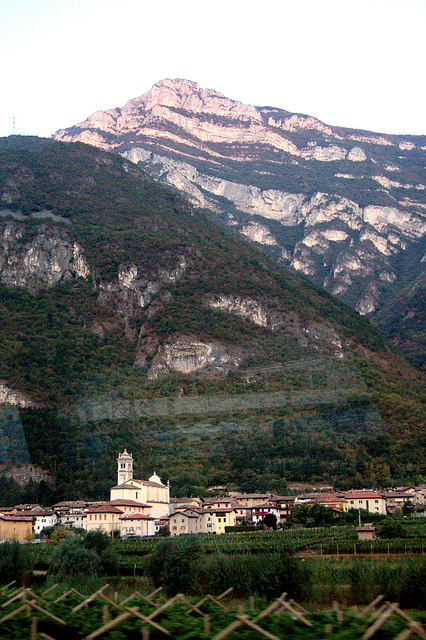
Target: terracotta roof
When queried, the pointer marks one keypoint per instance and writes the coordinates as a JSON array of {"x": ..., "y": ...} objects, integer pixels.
[
  {"x": 135, "y": 516},
  {"x": 123, "y": 502},
  {"x": 144, "y": 483},
  {"x": 124, "y": 485},
  {"x": 16, "y": 518},
  {"x": 104, "y": 508},
  {"x": 362, "y": 494}
]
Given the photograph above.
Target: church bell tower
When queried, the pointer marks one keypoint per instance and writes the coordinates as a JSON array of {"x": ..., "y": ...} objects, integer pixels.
[{"x": 124, "y": 467}]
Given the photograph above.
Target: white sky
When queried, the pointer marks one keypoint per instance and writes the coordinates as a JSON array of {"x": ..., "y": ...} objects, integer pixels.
[{"x": 354, "y": 63}]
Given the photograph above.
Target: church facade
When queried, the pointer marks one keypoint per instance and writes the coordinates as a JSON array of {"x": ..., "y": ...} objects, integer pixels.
[{"x": 152, "y": 492}]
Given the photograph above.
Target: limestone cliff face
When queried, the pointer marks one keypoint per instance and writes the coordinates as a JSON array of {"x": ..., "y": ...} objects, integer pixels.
[
  {"x": 14, "y": 398},
  {"x": 342, "y": 241},
  {"x": 243, "y": 162},
  {"x": 43, "y": 260},
  {"x": 187, "y": 354},
  {"x": 315, "y": 335}
]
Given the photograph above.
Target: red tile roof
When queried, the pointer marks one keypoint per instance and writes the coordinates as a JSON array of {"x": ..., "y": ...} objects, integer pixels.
[
  {"x": 135, "y": 516},
  {"x": 104, "y": 508}
]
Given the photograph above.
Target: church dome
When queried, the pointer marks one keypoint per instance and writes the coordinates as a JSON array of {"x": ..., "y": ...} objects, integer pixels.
[{"x": 155, "y": 478}]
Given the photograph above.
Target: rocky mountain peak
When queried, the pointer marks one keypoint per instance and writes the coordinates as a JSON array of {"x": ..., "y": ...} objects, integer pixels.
[
  {"x": 342, "y": 206},
  {"x": 188, "y": 96}
]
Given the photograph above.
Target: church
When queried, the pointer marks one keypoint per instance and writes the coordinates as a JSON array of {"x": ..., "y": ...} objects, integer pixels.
[{"x": 150, "y": 492}]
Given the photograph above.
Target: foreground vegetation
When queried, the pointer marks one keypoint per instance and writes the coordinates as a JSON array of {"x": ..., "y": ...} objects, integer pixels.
[
  {"x": 261, "y": 564},
  {"x": 126, "y": 615}
]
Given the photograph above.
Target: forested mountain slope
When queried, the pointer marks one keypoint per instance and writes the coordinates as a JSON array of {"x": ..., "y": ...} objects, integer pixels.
[
  {"x": 344, "y": 207},
  {"x": 129, "y": 319}
]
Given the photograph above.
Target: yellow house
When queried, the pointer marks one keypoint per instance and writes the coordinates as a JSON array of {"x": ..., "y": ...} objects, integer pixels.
[
  {"x": 225, "y": 517},
  {"x": 15, "y": 527}
]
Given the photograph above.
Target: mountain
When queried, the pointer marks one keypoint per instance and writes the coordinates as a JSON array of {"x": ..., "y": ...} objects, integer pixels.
[
  {"x": 130, "y": 319},
  {"x": 344, "y": 207}
]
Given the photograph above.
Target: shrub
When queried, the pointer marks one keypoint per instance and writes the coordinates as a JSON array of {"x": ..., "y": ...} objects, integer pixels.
[
  {"x": 71, "y": 562},
  {"x": 392, "y": 528},
  {"x": 97, "y": 541},
  {"x": 172, "y": 563},
  {"x": 16, "y": 563}
]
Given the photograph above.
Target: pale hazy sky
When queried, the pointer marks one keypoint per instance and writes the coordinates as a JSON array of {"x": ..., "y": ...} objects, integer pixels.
[{"x": 354, "y": 63}]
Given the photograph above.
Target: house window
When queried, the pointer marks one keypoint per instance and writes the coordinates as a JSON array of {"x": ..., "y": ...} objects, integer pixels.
[
  {"x": 174, "y": 528},
  {"x": 96, "y": 517},
  {"x": 376, "y": 501}
]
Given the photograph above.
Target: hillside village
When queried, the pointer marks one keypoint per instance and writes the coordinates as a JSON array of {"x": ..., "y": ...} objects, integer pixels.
[{"x": 139, "y": 508}]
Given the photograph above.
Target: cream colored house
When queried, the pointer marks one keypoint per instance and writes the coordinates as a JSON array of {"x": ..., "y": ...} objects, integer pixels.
[
  {"x": 150, "y": 492},
  {"x": 183, "y": 522},
  {"x": 370, "y": 501},
  {"x": 105, "y": 518},
  {"x": 136, "y": 524},
  {"x": 44, "y": 520}
]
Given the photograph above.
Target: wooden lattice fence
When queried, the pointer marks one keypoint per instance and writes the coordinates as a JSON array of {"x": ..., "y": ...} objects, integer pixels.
[{"x": 53, "y": 616}]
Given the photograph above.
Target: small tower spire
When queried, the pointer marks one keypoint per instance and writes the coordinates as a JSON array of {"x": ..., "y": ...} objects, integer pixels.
[{"x": 124, "y": 467}]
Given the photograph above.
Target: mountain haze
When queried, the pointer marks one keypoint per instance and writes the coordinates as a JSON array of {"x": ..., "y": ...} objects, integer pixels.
[{"x": 344, "y": 207}]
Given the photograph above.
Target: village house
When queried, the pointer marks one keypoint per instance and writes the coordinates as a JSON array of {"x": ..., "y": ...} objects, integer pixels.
[
  {"x": 15, "y": 527},
  {"x": 334, "y": 501},
  {"x": 136, "y": 524},
  {"x": 225, "y": 517},
  {"x": 251, "y": 499},
  {"x": 192, "y": 521},
  {"x": 371, "y": 501},
  {"x": 44, "y": 520},
  {"x": 397, "y": 500},
  {"x": 177, "y": 504},
  {"x": 73, "y": 513},
  {"x": 104, "y": 518},
  {"x": 130, "y": 507},
  {"x": 183, "y": 522},
  {"x": 260, "y": 511}
]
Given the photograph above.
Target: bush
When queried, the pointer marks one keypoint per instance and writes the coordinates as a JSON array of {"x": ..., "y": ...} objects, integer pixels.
[
  {"x": 392, "y": 528},
  {"x": 16, "y": 563},
  {"x": 72, "y": 561},
  {"x": 97, "y": 541},
  {"x": 76, "y": 559},
  {"x": 173, "y": 562},
  {"x": 178, "y": 565}
]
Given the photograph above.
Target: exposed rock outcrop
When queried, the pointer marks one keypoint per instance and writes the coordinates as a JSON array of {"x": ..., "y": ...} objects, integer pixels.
[
  {"x": 43, "y": 260},
  {"x": 191, "y": 355},
  {"x": 240, "y": 161},
  {"x": 14, "y": 398}
]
